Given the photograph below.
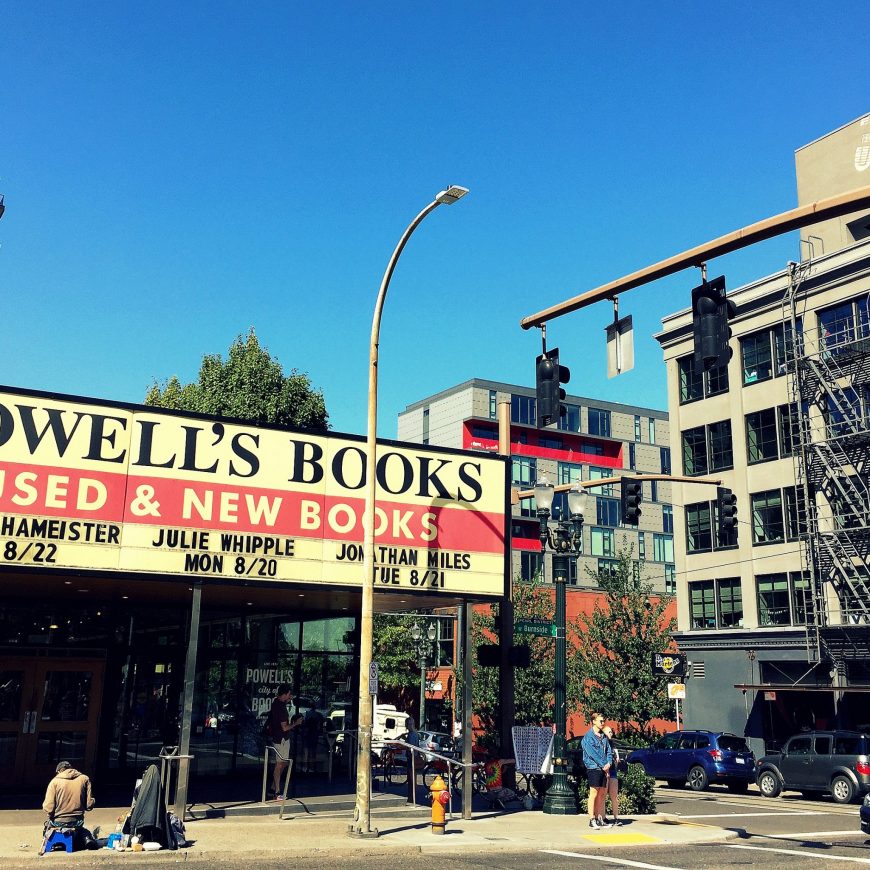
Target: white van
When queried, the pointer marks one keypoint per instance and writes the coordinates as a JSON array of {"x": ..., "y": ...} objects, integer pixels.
[{"x": 388, "y": 723}]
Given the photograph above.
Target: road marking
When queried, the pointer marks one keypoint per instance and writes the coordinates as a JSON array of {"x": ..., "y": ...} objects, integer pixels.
[
  {"x": 622, "y": 838},
  {"x": 806, "y": 836},
  {"x": 814, "y": 855},
  {"x": 608, "y": 860},
  {"x": 755, "y": 815}
]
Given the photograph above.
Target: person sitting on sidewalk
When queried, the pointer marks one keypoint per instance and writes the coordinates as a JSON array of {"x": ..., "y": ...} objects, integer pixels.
[
  {"x": 67, "y": 799},
  {"x": 493, "y": 773}
]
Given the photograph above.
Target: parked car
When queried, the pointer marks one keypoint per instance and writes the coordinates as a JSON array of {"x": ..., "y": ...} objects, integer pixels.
[
  {"x": 699, "y": 757},
  {"x": 818, "y": 761},
  {"x": 438, "y": 742},
  {"x": 574, "y": 754}
]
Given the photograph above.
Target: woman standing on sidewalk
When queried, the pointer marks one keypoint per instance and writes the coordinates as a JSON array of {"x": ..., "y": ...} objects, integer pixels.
[
  {"x": 612, "y": 779},
  {"x": 598, "y": 758}
]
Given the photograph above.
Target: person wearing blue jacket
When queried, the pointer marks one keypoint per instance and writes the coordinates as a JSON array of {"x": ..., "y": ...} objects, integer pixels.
[{"x": 598, "y": 758}]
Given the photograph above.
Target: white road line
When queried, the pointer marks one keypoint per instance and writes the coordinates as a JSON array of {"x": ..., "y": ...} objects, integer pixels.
[
  {"x": 813, "y": 855},
  {"x": 608, "y": 860},
  {"x": 754, "y": 815}
]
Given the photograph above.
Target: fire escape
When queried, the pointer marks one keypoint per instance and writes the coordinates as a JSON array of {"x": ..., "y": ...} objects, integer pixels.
[{"x": 829, "y": 384}]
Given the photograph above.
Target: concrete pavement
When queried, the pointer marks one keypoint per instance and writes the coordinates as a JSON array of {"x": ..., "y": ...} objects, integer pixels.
[{"x": 300, "y": 835}]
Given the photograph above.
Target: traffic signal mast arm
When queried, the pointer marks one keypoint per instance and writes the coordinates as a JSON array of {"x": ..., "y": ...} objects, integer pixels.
[
  {"x": 794, "y": 219},
  {"x": 608, "y": 481}
]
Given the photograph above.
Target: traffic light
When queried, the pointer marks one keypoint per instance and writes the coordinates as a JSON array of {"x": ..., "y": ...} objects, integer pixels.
[
  {"x": 726, "y": 508},
  {"x": 630, "y": 497},
  {"x": 711, "y": 311},
  {"x": 548, "y": 377}
]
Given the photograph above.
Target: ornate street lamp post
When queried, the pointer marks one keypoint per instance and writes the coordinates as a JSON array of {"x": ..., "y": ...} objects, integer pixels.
[
  {"x": 424, "y": 651},
  {"x": 564, "y": 541}
]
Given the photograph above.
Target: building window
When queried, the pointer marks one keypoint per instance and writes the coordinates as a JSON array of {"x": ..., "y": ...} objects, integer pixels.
[
  {"x": 608, "y": 566},
  {"x": 607, "y": 510},
  {"x": 524, "y": 471},
  {"x": 699, "y": 534},
  {"x": 570, "y": 420},
  {"x": 569, "y": 472},
  {"x": 716, "y": 603},
  {"x": 551, "y": 442},
  {"x": 703, "y": 604},
  {"x": 632, "y": 456},
  {"x": 446, "y": 643},
  {"x": 695, "y": 451},
  {"x": 721, "y": 453},
  {"x": 651, "y": 430},
  {"x": 425, "y": 425},
  {"x": 493, "y": 404},
  {"x": 523, "y": 410},
  {"x": 530, "y": 567},
  {"x": 599, "y": 422},
  {"x": 765, "y": 354},
  {"x": 783, "y": 599},
  {"x": 668, "y": 518},
  {"x": 637, "y": 427},
  {"x": 602, "y": 474},
  {"x": 842, "y": 324},
  {"x": 601, "y": 542},
  {"x": 653, "y": 490},
  {"x": 665, "y": 454},
  {"x": 767, "y": 519},
  {"x": 730, "y": 602},
  {"x": 663, "y": 548},
  {"x": 761, "y": 436},
  {"x": 671, "y": 579},
  {"x": 696, "y": 384},
  {"x": 789, "y": 434}
]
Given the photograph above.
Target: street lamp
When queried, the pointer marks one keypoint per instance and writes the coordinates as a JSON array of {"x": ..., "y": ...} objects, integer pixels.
[
  {"x": 424, "y": 651},
  {"x": 562, "y": 540},
  {"x": 361, "y": 826}
]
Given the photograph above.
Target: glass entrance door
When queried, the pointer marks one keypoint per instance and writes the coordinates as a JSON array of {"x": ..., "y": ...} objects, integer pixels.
[{"x": 49, "y": 712}]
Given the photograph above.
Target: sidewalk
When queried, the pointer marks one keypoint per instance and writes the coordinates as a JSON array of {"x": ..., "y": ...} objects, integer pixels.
[{"x": 299, "y": 835}]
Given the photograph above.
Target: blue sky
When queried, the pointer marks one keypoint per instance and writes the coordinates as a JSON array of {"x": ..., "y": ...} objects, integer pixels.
[{"x": 177, "y": 173}]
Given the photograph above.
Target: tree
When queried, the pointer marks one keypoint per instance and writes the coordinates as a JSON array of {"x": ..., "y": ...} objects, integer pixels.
[
  {"x": 250, "y": 385},
  {"x": 533, "y": 690},
  {"x": 609, "y": 669}
]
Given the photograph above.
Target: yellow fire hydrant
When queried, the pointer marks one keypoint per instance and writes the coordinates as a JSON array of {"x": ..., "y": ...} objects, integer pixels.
[{"x": 440, "y": 799}]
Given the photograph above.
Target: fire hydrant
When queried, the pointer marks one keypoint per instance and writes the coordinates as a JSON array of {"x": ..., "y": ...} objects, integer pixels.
[{"x": 440, "y": 799}]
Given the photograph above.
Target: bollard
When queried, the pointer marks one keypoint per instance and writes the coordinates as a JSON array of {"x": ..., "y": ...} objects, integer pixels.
[{"x": 440, "y": 799}]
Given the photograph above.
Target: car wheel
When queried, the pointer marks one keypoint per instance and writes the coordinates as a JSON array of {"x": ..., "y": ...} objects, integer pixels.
[
  {"x": 676, "y": 783},
  {"x": 698, "y": 778},
  {"x": 842, "y": 790},
  {"x": 739, "y": 787},
  {"x": 768, "y": 784}
]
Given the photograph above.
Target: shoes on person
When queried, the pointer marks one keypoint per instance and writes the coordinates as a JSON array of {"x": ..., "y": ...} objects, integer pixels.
[
  {"x": 616, "y": 823},
  {"x": 277, "y": 797},
  {"x": 604, "y": 823},
  {"x": 594, "y": 824}
]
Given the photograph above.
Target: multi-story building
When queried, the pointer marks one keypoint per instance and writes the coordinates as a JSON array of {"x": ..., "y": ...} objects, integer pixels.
[
  {"x": 594, "y": 440},
  {"x": 776, "y": 620}
]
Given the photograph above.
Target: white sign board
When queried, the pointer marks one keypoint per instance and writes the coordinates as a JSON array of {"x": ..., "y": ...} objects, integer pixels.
[{"x": 677, "y": 691}]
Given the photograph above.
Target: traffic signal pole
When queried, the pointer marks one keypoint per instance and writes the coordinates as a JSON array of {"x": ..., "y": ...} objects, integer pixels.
[{"x": 785, "y": 222}]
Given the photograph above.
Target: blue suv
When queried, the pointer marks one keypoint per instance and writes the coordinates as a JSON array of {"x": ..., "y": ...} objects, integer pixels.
[{"x": 699, "y": 758}]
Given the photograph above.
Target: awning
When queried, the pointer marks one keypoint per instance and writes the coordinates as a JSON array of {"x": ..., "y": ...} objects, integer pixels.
[{"x": 788, "y": 687}]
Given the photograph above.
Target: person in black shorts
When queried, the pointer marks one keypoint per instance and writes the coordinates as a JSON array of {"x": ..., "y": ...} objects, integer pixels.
[
  {"x": 598, "y": 758},
  {"x": 613, "y": 779}
]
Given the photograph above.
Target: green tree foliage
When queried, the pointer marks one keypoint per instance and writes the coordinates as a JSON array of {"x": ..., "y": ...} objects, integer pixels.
[
  {"x": 394, "y": 650},
  {"x": 250, "y": 385},
  {"x": 609, "y": 666},
  {"x": 533, "y": 693}
]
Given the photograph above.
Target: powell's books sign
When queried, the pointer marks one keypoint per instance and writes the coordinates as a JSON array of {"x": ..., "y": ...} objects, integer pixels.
[
  {"x": 669, "y": 664},
  {"x": 90, "y": 485}
]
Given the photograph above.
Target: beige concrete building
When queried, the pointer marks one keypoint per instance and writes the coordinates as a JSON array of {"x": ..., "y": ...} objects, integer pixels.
[{"x": 777, "y": 622}]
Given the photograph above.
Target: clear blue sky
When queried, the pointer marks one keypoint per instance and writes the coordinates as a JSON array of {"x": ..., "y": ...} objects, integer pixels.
[{"x": 178, "y": 172}]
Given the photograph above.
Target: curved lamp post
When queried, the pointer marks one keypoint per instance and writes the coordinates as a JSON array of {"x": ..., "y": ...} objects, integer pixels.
[
  {"x": 564, "y": 541},
  {"x": 361, "y": 826}
]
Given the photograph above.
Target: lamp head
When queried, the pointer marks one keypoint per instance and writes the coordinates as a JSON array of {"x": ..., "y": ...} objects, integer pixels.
[
  {"x": 544, "y": 494},
  {"x": 451, "y": 195},
  {"x": 576, "y": 501},
  {"x": 431, "y": 632},
  {"x": 416, "y": 634}
]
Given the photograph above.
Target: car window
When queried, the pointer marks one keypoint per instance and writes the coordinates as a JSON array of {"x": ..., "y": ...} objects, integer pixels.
[
  {"x": 799, "y": 746},
  {"x": 687, "y": 742},
  {"x": 823, "y": 745},
  {"x": 669, "y": 741},
  {"x": 733, "y": 743},
  {"x": 848, "y": 745},
  {"x": 702, "y": 742}
]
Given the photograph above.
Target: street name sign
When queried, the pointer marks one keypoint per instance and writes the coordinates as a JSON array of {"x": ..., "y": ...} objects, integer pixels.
[{"x": 539, "y": 627}]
